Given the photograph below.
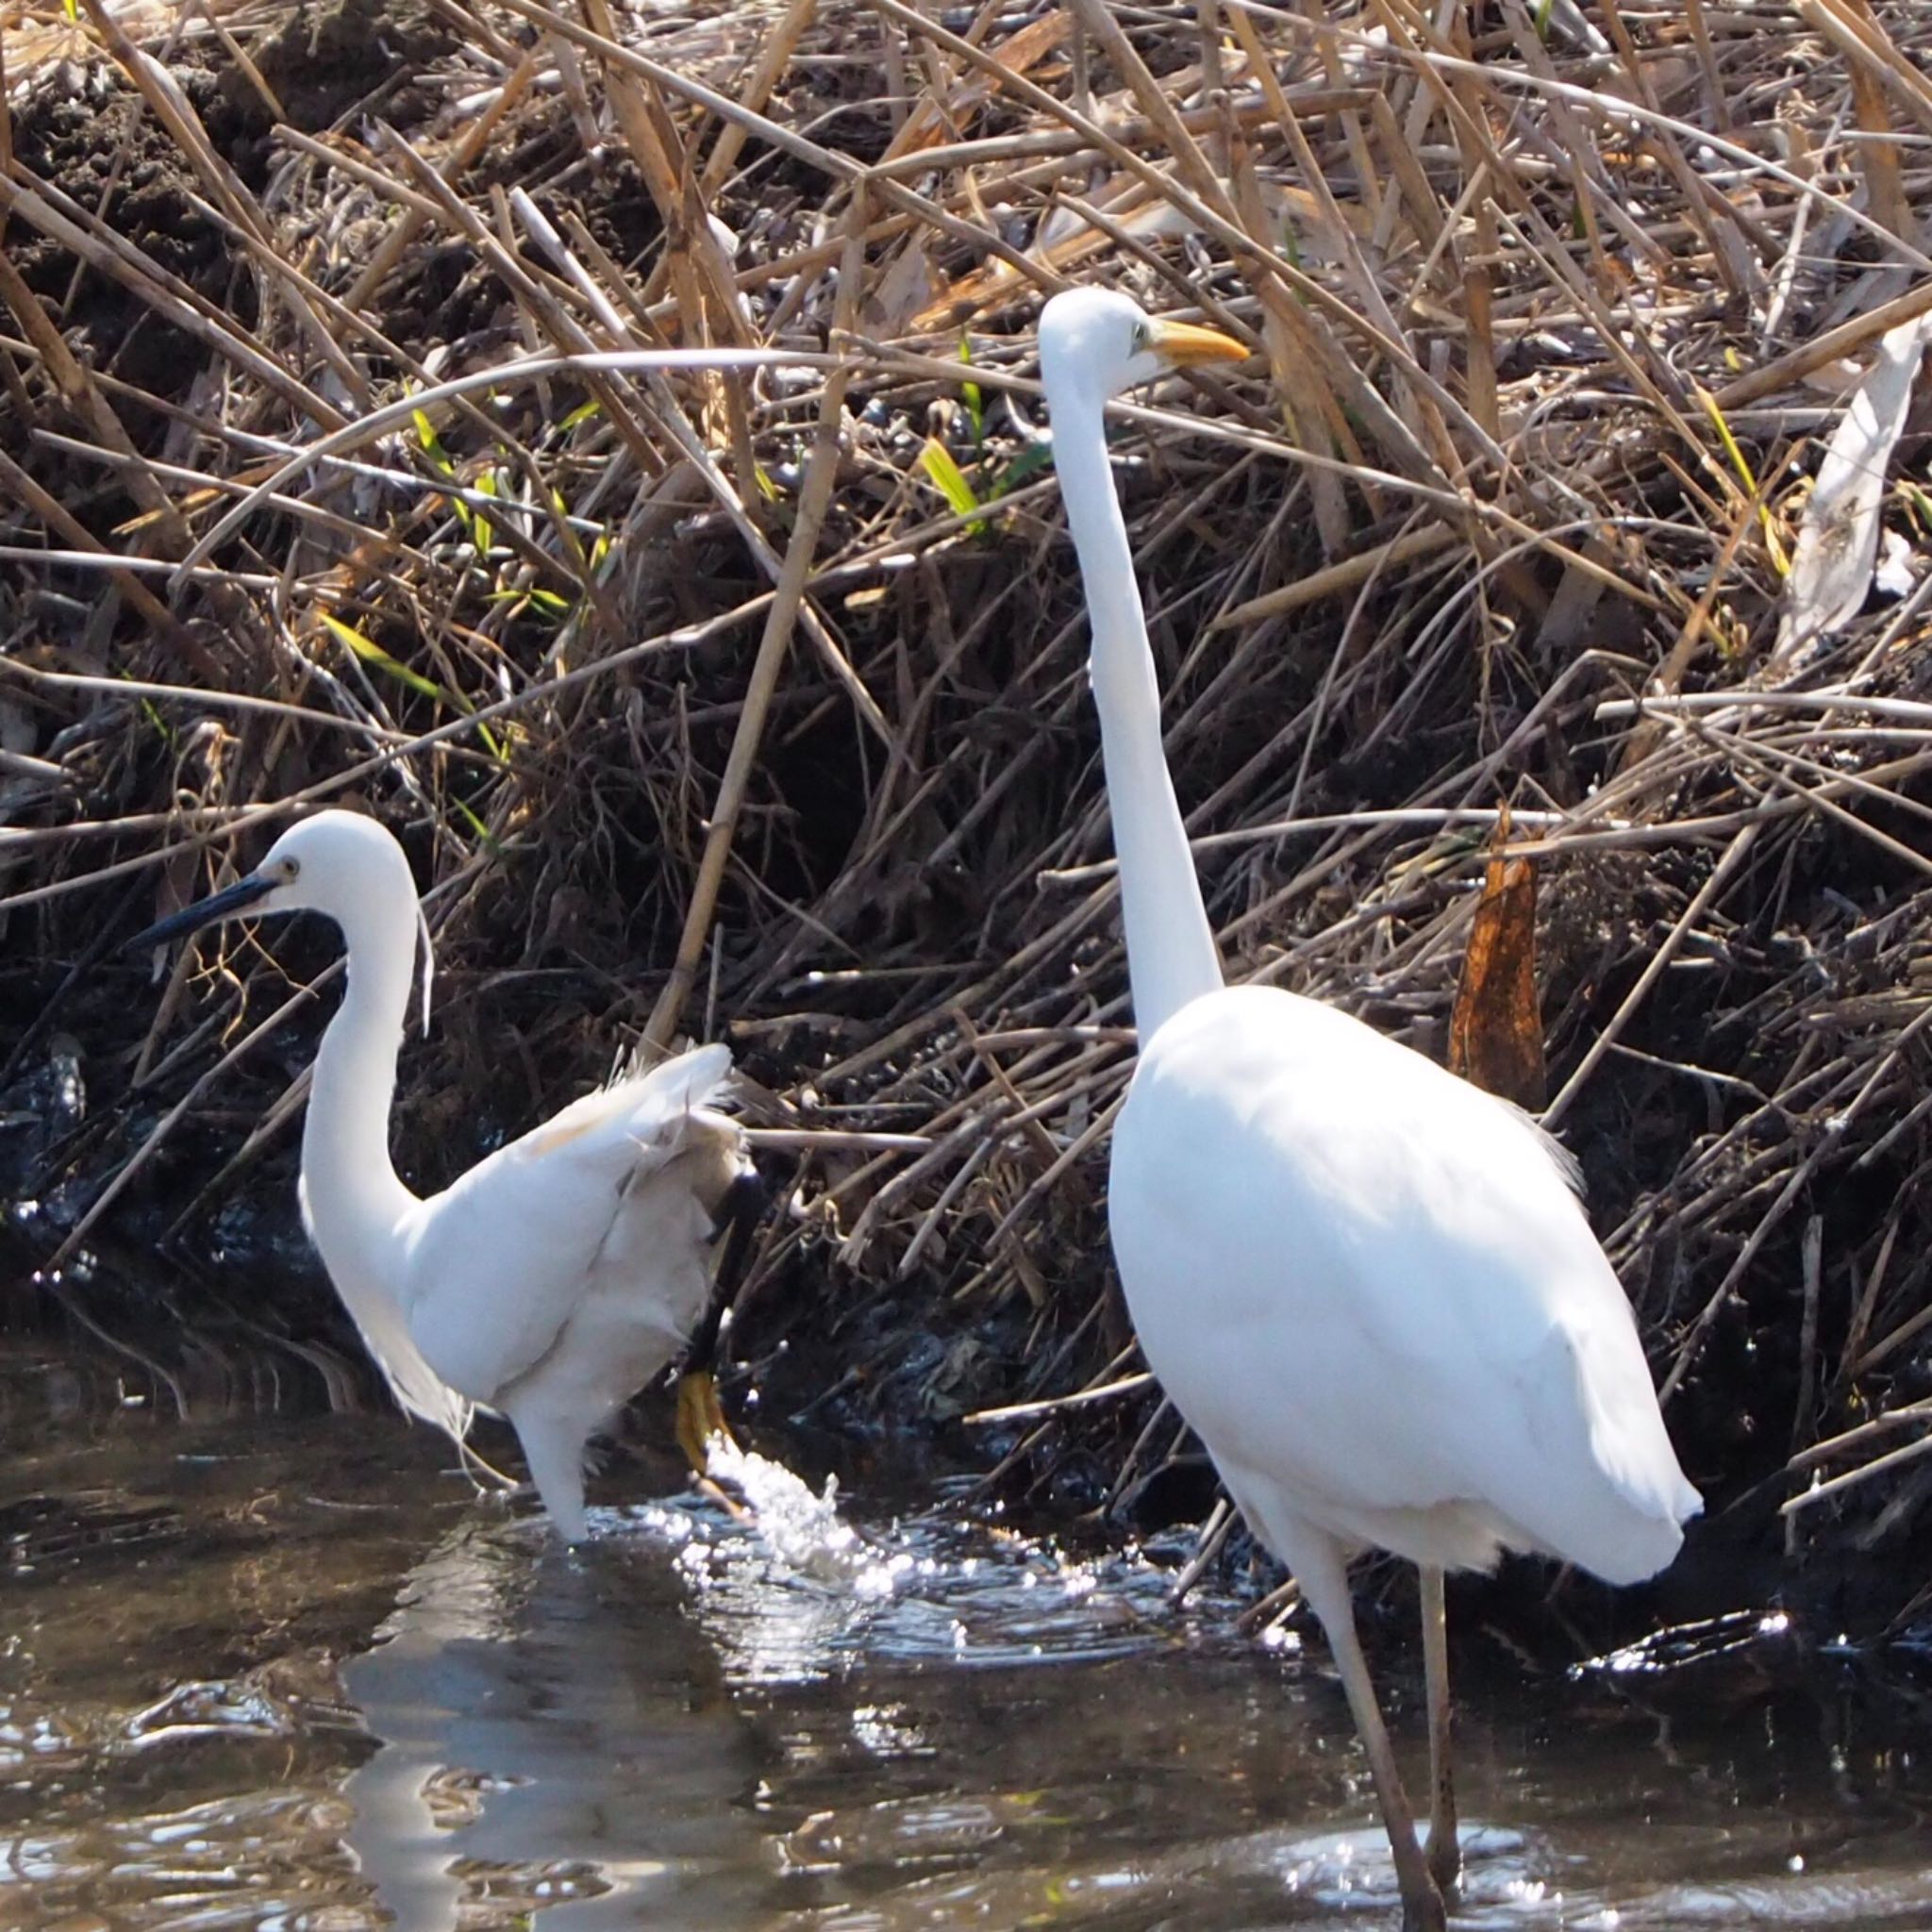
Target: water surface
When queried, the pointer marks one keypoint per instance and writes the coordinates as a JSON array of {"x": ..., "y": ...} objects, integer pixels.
[{"x": 286, "y": 1671}]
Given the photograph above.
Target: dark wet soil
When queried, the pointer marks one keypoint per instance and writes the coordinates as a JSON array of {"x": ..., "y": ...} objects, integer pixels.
[
  {"x": 332, "y": 57},
  {"x": 89, "y": 134}
]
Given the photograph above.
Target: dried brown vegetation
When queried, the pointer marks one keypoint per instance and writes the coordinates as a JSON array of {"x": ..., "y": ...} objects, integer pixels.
[{"x": 748, "y": 699}]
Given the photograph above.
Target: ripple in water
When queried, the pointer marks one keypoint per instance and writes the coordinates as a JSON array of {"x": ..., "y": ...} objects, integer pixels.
[{"x": 260, "y": 1676}]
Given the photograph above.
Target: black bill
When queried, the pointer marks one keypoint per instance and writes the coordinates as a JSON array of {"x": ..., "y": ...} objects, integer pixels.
[{"x": 223, "y": 904}]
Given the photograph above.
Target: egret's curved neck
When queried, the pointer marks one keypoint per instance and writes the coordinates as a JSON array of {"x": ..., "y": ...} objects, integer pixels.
[
  {"x": 1171, "y": 954},
  {"x": 352, "y": 1184}
]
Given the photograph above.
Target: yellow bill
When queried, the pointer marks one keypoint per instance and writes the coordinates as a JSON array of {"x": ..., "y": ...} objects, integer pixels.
[{"x": 1187, "y": 346}]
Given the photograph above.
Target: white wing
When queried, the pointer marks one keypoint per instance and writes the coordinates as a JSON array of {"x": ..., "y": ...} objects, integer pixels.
[
  {"x": 497, "y": 1263},
  {"x": 1368, "y": 1285}
]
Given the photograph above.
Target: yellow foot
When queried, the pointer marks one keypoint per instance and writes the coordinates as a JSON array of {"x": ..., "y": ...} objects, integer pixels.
[{"x": 700, "y": 1420}]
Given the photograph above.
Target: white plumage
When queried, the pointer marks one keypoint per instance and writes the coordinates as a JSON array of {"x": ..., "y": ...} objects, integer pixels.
[
  {"x": 1367, "y": 1285},
  {"x": 559, "y": 1275},
  {"x": 1402, "y": 1322}
]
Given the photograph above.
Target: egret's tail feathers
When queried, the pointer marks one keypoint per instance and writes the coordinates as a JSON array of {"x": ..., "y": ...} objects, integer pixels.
[
  {"x": 700, "y": 1075},
  {"x": 638, "y": 1107},
  {"x": 1606, "y": 1492},
  {"x": 670, "y": 1093},
  {"x": 1628, "y": 1437},
  {"x": 1653, "y": 1498},
  {"x": 706, "y": 1068},
  {"x": 1657, "y": 1493}
]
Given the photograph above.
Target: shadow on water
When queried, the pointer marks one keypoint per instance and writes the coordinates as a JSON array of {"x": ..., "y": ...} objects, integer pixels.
[{"x": 276, "y": 1672}]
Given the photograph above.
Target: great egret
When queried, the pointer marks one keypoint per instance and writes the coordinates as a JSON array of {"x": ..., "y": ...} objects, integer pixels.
[
  {"x": 1368, "y": 1285},
  {"x": 556, "y": 1276}
]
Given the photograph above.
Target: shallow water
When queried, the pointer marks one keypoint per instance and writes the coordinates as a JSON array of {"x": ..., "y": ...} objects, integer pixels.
[{"x": 276, "y": 1672}]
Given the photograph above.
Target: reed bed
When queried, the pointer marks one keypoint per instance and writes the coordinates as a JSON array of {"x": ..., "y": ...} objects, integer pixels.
[{"x": 606, "y": 443}]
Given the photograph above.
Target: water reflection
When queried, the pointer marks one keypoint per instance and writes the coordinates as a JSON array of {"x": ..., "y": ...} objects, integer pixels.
[
  {"x": 619, "y": 1735},
  {"x": 554, "y": 1733},
  {"x": 283, "y": 1673}
]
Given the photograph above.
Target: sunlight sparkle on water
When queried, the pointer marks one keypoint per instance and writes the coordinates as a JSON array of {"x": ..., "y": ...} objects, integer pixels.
[{"x": 804, "y": 1530}]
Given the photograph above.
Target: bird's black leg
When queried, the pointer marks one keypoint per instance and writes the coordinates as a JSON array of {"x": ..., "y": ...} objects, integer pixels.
[
  {"x": 739, "y": 1210},
  {"x": 1444, "y": 1849},
  {"x": 699, "y": 1416}
]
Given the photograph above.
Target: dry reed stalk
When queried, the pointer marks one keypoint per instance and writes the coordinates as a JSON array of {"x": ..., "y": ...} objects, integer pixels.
[{"x": 814, "y": 498}]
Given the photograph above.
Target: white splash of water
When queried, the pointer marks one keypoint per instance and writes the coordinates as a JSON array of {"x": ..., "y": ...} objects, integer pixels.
[{"x": 804, "y": 1530}]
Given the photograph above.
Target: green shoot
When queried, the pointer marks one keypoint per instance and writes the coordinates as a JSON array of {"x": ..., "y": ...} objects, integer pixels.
[
  {"x": 1741, "y": 464},
  {"x": 371, "y": 653},
  {"x": 976, "y": 402},
  {"x": 950, "y": 481},
  {"x": 481, "y": 535}
]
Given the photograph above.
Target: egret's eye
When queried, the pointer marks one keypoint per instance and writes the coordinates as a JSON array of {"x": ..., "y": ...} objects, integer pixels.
[
  {"x": 1140, "y": 337},
  {"x": 291, "y": 871}
]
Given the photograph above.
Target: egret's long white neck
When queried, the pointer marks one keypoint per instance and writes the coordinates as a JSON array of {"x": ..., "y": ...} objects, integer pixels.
[
  {"x": 352, "y": 1184},
  {"x": 1171, "y": 953}
]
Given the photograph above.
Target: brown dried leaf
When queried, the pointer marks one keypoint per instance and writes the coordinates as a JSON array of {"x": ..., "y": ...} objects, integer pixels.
[
  {"x": 1495, "y": 1029},
  {"x": 905, "y": 289}
]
